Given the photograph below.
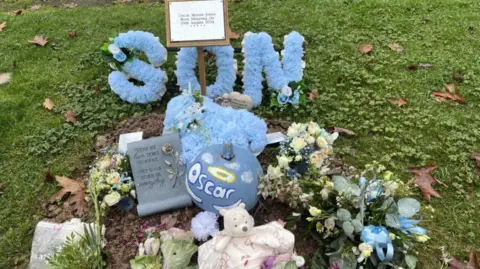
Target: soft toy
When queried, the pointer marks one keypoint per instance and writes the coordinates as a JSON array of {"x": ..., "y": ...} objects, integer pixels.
[
  {"x": 201, "y": 122},
  {"x": 241, "y": 245}
]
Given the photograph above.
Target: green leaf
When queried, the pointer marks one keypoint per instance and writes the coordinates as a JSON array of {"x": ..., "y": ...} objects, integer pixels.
[
  {"x": 343, "y": 215},
  {"x": 392, "y": 220},
  {"x": 408, "y": 207},
  {"x": 348, "y": 228},
  {"x": 318, "y": 260},
  {"x": 411, "y": 261},
  {"x": 357, "y": 224}
]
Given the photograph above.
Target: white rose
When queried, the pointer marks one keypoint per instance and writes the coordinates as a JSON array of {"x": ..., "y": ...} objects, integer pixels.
[
  {"x": 322, "y": 142},
  {"x": 114, "y": 49},
  {"x": 283, "y": 161},
  {"x": 287, "y": 91},
  {"x": 274, "y": 172},
  {"x": 112, "y": 198},
  {"x": 310, "y": 139},
  {"x": 298, "y": 144},
  {"x": 316, "y": 158},
  {"x": 313, "y": 128}
]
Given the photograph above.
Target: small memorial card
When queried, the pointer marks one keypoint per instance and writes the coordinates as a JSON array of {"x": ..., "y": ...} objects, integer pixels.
[
  {"x": 196, "y": 22},
  {"x": 159, "y": 174}
]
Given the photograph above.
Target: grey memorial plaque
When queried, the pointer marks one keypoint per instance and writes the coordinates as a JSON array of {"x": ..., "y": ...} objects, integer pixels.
[{"x": 159, "y": 174}]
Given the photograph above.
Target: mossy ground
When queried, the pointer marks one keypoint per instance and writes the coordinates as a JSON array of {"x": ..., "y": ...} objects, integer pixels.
[{"x": 354, "y": 92}]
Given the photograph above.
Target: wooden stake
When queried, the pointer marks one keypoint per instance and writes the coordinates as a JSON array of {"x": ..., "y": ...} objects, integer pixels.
[{"x": 201, "y": 70}]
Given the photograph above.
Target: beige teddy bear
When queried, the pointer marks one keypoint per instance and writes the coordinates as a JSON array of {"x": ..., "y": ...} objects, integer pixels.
[{"x": 241, "y": 245}]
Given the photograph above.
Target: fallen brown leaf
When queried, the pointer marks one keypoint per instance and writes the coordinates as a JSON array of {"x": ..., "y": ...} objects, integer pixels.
[
  {"x": 476, "y": 156},
  {"x": 39, "y": 40},
  {"x": 457, "y": 76},
  {"x": 70, "y": 117},
  {"x": 366, "y": 48},
  {"x": 313, "y": 95},
  {"x": 5, "y": 78},
  {"x": 169, "y": 220},
  {"x": 48, "y": 104},
  {"x": 35, "y": 7},
  {"x": 17, "y": 12},
  {"x": 425, "y": 181},
  {"x": 333, "y": 129},
  {"x": 234, "y": 35},
  {"x": 448, "y": 94},
  {"x": 48, "y": 177},
  {"x": 396, "y": 47},
  {"x": 76, "y": 190},
  {"x": 2, "y": 26},
  {"x": 400, "y": 102},
  {"x": 1, "y": 187},
  {"x": 412, "y": 67},
  {"x": 72, "y": 33},
  {"x": 454, "y": 263}
]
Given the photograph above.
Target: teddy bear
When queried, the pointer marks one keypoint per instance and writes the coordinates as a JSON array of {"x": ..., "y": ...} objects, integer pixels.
[
  {"x": 241, "y": 245},
  {"x": 210, "y": 124}
]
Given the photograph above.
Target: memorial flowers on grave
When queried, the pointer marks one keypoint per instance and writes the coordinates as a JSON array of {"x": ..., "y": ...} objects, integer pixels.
[
  {"x": 365, "y": 221},
  {"x": 304, "y": 154},
  {"x": 113, "y": 182}
]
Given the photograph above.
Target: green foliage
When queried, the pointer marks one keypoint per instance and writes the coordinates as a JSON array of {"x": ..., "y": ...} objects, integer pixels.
[
  {"x": 75, "y": 253},
  {"x": 94, "y": 108}
]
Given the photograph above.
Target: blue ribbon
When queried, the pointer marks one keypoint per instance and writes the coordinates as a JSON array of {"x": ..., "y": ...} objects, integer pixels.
[{"x": 377, "y": 237}]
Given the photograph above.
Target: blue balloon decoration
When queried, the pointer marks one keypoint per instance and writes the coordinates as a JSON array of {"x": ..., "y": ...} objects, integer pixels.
[{"x": 223, "y": 176}]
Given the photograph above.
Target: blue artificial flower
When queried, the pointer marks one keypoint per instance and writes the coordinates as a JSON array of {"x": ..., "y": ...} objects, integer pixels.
[
  {"x": 121, "y": 57},
  {"x": 260, "y": 55},
  {"x": 409, "y": 226},
  {"x": 295, "y": 98},
  {"x": 282, "y": 98},
  {"x": 219, "y": 125},
  {"x": 378, "y": 237},
  {"x": 226, "y": 65},
  {"x": 154, "y": 79}
]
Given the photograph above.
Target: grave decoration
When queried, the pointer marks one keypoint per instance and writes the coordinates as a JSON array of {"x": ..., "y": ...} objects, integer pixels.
[
  {"x": 201, "y": 122},
  {"x": 283, "y": 77},
  {"x": 172, "y": 249},
  {"x": 158, "y": 172},
  {"x": 122, "y": 52},
  {"x": 204, "y": 225},
  {"x": 223, "y": 176},
  {"x": 110, "y": 176},
  {"x": 50, "y": 238},
  {"x": 241, "y": 245},
  {"x": 305, "y": 152},
  {"x": 363, "y": 221}
]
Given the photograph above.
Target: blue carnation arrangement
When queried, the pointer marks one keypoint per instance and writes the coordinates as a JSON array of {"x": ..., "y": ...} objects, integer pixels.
[
  {"x": 283, "y": 77},
  {"x": 121, "y": 53},
  {"x": 208, "y": 124},
  {"x": 226, "y": 64}
]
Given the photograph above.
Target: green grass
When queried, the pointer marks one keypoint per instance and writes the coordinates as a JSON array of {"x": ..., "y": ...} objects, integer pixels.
[{"x": 354, "y": 92}]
